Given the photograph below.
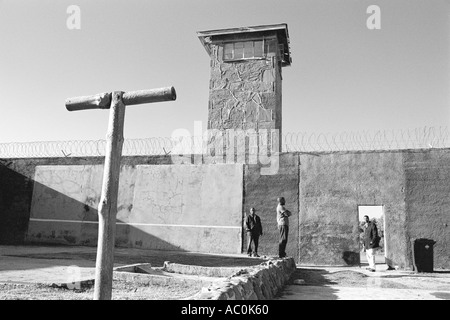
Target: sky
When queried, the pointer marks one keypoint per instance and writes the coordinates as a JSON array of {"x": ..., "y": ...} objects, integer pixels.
[
  {"x": 344, "y": 76},
  {"x": 371, "y": 211}
]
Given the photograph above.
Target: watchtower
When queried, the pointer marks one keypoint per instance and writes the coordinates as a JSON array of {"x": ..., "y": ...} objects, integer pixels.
[{"x": 245, "y": 85}]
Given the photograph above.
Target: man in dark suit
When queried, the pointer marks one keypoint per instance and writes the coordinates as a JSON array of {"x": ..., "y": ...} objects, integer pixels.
[
  {"x": 254, "y": 230},
  {"x": 371, "y": 242}
]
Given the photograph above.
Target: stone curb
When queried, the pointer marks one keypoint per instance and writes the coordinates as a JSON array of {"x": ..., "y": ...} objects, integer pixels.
[
  {"x": 217, "y": 272},
  {"x": 76, "y": 285},
  {"x": 136, "y": 268},
  {"x": 137, "y": 278},
  {"x": 153, "y": 279},
  {"x": 261, "y": 282}
]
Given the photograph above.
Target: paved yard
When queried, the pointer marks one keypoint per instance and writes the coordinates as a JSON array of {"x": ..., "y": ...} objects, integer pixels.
[
  {"x": 24, "y": 268},
  {"x": 350, "y": 283}
]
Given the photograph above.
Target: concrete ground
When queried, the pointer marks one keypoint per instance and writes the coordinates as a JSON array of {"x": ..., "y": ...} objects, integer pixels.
[
  {"x": 349, "y": 293},
  {"x": 17, "y": 267},
  {"x": 357, "y": 283},
  {"x": 60, "y": 264}
]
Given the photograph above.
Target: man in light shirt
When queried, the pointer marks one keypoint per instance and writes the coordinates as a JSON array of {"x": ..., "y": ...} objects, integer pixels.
[{"x": 283, "y": 226}]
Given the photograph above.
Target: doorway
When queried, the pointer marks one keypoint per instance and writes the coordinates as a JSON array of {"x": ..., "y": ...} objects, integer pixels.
[{"x": 376, "y": 215}]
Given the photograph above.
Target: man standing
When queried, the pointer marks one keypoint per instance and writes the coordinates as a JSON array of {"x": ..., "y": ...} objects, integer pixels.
[
  {"x": 254, "y": 230},
  {"x": 283, "y": 226},
  {"x": 371, "y": 242}
]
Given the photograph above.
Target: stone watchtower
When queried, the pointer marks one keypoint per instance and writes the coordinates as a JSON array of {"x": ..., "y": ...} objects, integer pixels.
[{"x": 245, "y": 84}]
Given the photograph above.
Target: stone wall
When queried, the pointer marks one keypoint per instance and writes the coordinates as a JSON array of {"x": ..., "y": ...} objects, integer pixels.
[
  {"x": 244, "y": 94},
  {"x": 262, "y": 282}
]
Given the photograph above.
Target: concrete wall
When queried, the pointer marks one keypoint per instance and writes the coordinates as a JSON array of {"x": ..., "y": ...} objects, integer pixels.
[
  {"x": 16, "y": 190},
  {"x": 413, "y": 187},
  {"x": 331, "y": 188},
  {"x": 428, "y": 202},
  {"x": 197, "y": 207},
  {"x": 261, "y": 191},
  {"x": 176, "y": 207},
  {"x": 17, "y": 184},
  {"x": 322, "y": 190},
  {"x": 15, "y": 198}
]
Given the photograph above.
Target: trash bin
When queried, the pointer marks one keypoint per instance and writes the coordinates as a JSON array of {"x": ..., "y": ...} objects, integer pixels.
[{"x": 423, "y": 255}]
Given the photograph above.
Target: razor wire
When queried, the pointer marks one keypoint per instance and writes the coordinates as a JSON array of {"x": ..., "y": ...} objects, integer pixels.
[{"x": 418, "y": 138}]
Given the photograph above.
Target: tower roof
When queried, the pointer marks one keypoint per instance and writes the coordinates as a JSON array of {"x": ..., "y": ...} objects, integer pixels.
[{"x": 206, "y": 37}]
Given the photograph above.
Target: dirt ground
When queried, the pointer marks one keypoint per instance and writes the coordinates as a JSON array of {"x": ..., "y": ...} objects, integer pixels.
[
  {"x": 121, "y": 291},
  {"x": 317, "y": 278},
  {"x": 126, "y": 256}
]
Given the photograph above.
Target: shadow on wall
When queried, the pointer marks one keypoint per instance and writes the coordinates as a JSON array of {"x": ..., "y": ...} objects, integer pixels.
[
  {"x": 78, "y": 220},
  {"x": 15, "y": 200},
  {"x": 351, "y": 258},
  {"x": 63, "y": 220}
]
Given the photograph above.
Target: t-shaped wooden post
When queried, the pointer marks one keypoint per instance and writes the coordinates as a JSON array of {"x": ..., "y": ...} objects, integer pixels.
[{"x": 107, "y": 208}]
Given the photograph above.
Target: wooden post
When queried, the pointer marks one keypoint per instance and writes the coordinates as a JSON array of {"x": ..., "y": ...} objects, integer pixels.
[{"x": 107, "y": 209}]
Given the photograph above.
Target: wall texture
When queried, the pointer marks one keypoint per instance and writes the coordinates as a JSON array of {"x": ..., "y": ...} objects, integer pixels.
[
  {"x": 17, "y": 184},
  {"x": 176, "y": 207},
  {"x": 331, "y": 188},
  {"x": 244, "y": 95},
  {"x": 428, "y": 202},
  {"x": 261, "y": 191},
  {"x": 15, "y": 198},
  {"x": 261, "y": 282}
]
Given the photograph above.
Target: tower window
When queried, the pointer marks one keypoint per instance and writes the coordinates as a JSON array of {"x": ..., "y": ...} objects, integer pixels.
[
  {"x": 258, "y": 48},
  {"x": 248, "y": 49},
  {"x": 228, "y": 51},
  {"x": 238, "y": 50},
  {"x": 243, "y": 50}
]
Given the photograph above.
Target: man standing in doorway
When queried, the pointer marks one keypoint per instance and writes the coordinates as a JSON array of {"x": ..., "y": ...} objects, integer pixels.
[
  {"x": 283, "y": 226},
  {"x": 371, "y": 242},
  {"x": 254, "y": 230}
]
